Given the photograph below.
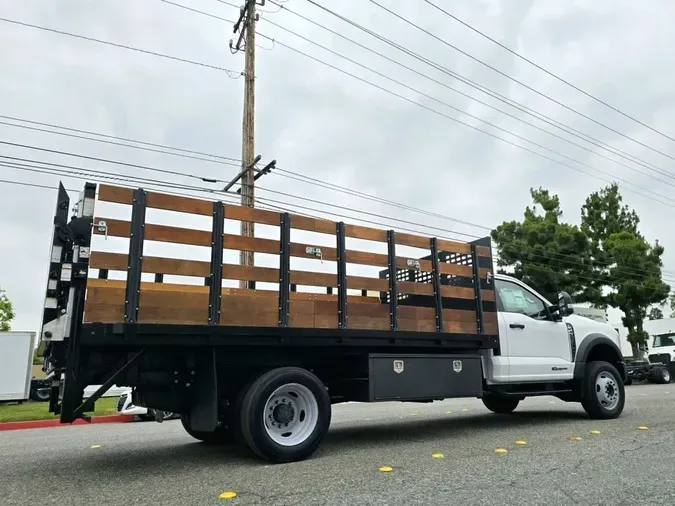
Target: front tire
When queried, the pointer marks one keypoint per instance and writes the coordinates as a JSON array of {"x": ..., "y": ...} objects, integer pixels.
[
  {"x": 603, "y": 395},
  {"x": 285, "y": 414},
  {"x": 500, "y": 405}
]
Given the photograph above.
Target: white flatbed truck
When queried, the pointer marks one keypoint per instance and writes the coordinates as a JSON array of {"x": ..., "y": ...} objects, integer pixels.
[{"x": 263, "y": 367}]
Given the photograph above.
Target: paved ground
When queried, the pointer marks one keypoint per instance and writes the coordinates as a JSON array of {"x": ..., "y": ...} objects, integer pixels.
[{"x": 147, "y": 463}]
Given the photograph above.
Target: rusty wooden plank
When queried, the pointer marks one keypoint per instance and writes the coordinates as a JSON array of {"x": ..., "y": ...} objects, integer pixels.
[
  {"x": 369, "y": 310},
  {"x": 455, "y": 292},
  {"x": 189, "y": 205},
  {"x": 368, "y": 323},
  {"x": 257, "y": 244},
  {"x": 455, "y": 269}
]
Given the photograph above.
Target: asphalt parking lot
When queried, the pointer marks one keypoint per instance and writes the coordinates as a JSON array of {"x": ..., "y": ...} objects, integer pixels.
[{"x": 149, "y": 463}]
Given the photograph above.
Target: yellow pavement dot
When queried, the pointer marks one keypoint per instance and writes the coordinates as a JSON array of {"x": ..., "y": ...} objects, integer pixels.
[
  {"x": 94, "y": 447},
  {"x": 413, "y": 414},
  {"x": 595, "y": 432},
  {"x": 643, "y": 427},
  {"x": 551, "y": 402},
  {"x": 448, "y": 412},
  {"x": 521, "y": 442},
  {"x": 465, "y": 409},
  {"x": 386, "y": 469},
  {"x": 500, "y": 450},
  {"x": 230, "y": 494},
  {"x": 576, "y": 438},
  {"x": 437, "y": 456}
]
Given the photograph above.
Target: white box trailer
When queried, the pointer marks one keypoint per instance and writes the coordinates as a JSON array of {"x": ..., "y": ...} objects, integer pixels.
[{"x": 16, "y": 364}]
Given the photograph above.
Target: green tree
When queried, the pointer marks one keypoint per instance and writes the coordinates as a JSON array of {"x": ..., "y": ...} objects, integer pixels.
[
  {"x": 6, "y": 312},
  {"x": 544, "y": 252},
  {"x": 626, "y": 269},
  {"x": 655, "y": 314},
  {"x": 635, "y": 276},
  {"x": 602, "y": 215}
]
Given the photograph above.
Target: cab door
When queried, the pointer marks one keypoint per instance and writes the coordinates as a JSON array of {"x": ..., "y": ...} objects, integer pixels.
[{"x": 538, "y": 347}]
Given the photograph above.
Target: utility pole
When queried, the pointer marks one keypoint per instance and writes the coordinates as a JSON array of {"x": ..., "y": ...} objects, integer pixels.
[{"x": 246, "y": 27}]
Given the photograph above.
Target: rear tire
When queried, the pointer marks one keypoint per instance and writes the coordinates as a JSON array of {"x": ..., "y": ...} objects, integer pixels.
[
  {"x": 603, "y": 394},
  {"x": 661, "y": 375},
  {"x": 222, "y": 435},
  {"x": 284, "y": 414},
  {"x": 500, "y": 405}
]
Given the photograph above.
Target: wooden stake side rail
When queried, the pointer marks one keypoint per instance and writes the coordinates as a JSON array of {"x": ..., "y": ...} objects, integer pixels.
[{"x": 440, "y": 304}]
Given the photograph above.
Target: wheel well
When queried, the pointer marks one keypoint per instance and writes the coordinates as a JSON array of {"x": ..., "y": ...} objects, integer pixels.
[{"x": 605, "y": 353}]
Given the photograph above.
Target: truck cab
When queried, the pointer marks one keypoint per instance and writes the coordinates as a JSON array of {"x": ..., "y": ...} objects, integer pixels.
[
  {"x": 541, "y": 341},
  {"x": 663, "y": 351}
]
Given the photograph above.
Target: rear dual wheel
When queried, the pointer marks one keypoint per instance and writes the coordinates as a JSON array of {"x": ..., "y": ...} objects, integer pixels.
[{"x": 284, "y": 414}]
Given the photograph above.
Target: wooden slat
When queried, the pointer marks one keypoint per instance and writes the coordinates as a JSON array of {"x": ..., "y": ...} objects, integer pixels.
[
  {"x": 366, "y": 283},
  {"x": 415, "y": 241},
  {"x": 366, "y": 258},
  {"x": 454, "y": 247},
  {"x": 252, "y": 215},
  {"x": 368, "y": 310},
  {"x": 308, "y": 278},
  {"x": 413, "y": 288},
  {"x": 368, "y": 323},
  {"x": 365, "y": 233},
  {"x": 313, "y": 224},
  {"x": 120, "y": 195},
  {"x": 171, "y": 266},
  {"x": 250, "y": 273},
  {"x": 160, "y": 233},
  {"x": 455, "y": 269},
  {"x": 402, "y": 263},
  {"x": 257, "y": 244},
  {"x": 455, "y": 292},
  {"x": 299, "y": 250},
  {"x": 116, "y": 194}
]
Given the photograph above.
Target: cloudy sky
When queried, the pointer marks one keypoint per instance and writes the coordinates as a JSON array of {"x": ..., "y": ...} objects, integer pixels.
[{"x": 321, "y": 123}]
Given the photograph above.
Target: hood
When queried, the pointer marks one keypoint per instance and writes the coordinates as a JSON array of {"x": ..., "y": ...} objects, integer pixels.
[{"x": 587, "y": 325}]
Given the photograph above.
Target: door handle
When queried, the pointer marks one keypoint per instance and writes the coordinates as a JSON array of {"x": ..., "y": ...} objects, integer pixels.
[{"x": 516, "y": 325}]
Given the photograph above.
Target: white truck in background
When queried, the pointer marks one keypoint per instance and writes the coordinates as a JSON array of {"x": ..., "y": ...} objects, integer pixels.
[{"x": 16, "y": 365}]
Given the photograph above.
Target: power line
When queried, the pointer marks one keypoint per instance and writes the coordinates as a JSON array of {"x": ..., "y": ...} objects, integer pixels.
[
  {"x": 544, "y": 95},
  {"x": 565, "y": 129},
  {"x": 402, "y": 97},
  {"x": 544, "y": 267},
  {"x": 496, "y": 95},
  {"x": 313, "y": 181},
  {"x": 32, "y": 185},
  {"x": 128, "y": 178},
  {"x": 113, "y": 143},
  {"x": 518, "y": 55},
  {"x": 122, "y": 46},
  {"x": 525, "y": 139},
  {"x": 105, "y": 160}
]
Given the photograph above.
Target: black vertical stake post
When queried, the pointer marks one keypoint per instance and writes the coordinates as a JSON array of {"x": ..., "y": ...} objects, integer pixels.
[
  {"x": 285, "y": 270},
  {"x": 341, "y": 275},
  {"x": 393, "y": 292},
  {"x": 436, "y": 281},
  {"x": 216, "y": 277},
  {"x": 477, "y": 289},
  {"x": 135, "y": 266}
]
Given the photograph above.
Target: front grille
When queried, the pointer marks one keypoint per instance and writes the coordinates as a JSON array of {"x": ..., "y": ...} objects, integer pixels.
[
  {"x": 663, "y": 358},
  {"x": 121, "y": 401}
]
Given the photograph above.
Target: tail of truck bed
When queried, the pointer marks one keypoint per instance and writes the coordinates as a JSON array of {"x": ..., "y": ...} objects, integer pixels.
[{"x": 134, "y": 299}]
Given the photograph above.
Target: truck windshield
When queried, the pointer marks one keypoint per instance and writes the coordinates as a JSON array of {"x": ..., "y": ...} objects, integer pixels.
[{"x": 664, "y": 340}]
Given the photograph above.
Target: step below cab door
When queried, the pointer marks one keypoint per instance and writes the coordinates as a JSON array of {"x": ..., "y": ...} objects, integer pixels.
[{"x": 537, "y": 346}]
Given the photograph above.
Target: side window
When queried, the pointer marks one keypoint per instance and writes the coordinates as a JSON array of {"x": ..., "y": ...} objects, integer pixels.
[{"x": 513, "y": 298}]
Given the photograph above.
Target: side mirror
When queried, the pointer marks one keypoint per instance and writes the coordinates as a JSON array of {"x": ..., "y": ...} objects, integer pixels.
[{"x": 564, "y": 301}]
